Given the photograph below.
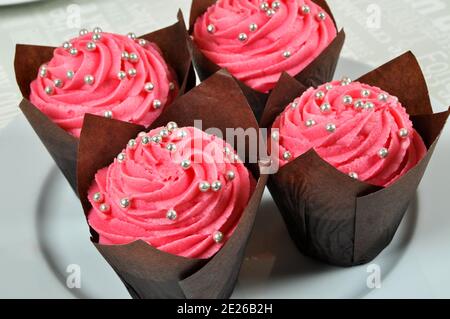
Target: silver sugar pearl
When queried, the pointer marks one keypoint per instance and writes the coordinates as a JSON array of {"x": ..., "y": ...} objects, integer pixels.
[
  {"x": 58, "y": 83},
  {"x": 306, "y": 9},
  {"x": 43, "y": 71},
  {"x": 204, "y": 186},
  {"x": 185, "y": 164},
  {"x": 70, "y": 74},
  {"x": 353, "y": 175},
  {"x": 48, "y": 90},
  {"x": 156, "y": 139},
  {"x": 89, "y": 79},
  {"x": 96, "y": 37},
  {"x": 83, "y": 32},
  {"x": 369, "y": 105},
  {"x": 231, "y": 175},
  {"x": 98, "y": 197},
  {"x": 276, "y": 5},
  {"x": 211, "y": 28},
  {"x": 365, "y": 93},
  {"x": 330, "y": 127},
  {"x": 121, "y": 157},
  {"x": 253, "y": 27},
  {"x": 216, "y": 186},
  {"x": 132, "y": 72},
  {"x": 286, "y": 54},
  {"x": 346, "y": 81},
  {"x": 242, "y": 37},
  {"x": 403, "y": 133},
  {"x": 132, "y": 143},
  {"x": 325, "y": 107},
  {"x": 329, "y": 86},
  {"x": 131, "y": 35},
  {"x": 270, "y": 13},
  {"x": 310, "y": 123},
  {"x": 322, "y": 16},
  {"x": 171, "y": 126},
  {"x": 171, "y": 147},
  {"x": 347, "y": 100},
  {"x": 73, "y": 51},
  {"x": 218, "y": 236},
  {"x": 383, "y": 153},
  {"x": 133, "y": 57},
  {"x": 104, "y": 207},
  {"x": 287, "y": 155},
  {"x": 97, "y": 30},
  {"x": 142, "y": 42},
  {"x": 145, "y": 140},
  {"x": 382, "y": 97},
  {"x": 171, "y": 214},
  {"x": 149, "y": 86},
  {"x": 125, "y": 55},
  {"x": 124, "y": 202},
  {"x": 294, "y": 105},
  {"x": 91, "y": 46},
  {"x": 157, "y": 104},
  {"x": 108, "y": 114},
  {"x": 358, "y": 104},
  {"x": 66, "y": 45},
  {"x": 264, "y": 6},
  {"x": 319, "y": 95},
  {"x": 121, "y": 75},
  {"x": 164, "y": 133}
]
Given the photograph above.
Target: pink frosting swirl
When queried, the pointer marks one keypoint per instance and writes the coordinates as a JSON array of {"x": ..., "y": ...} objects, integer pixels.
[
  {"x": 359, "y": 129},
  {"x": 258, "y": 40},
  {"x": 111, "y": 75},
  {"x": 180, "y": 190}
]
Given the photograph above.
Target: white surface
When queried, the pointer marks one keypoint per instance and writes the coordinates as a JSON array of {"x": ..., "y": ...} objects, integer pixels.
[{"x": 43, "y": 231}]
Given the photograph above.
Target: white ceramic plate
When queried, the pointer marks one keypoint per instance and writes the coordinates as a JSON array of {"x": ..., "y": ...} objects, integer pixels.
[{"x": 43, "y": 231}]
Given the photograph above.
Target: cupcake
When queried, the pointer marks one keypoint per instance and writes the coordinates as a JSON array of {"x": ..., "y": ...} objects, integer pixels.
[
  {"x": 120, "y": 77},
  {"x": 171, "y": 209},
  {"x": 359, "y": 129},
  {"x": 256, "y": 41},
  {"x": 351, "y": 157},
  {"x": 180, "y": 190},
  {"x": 111, "y": 75}
]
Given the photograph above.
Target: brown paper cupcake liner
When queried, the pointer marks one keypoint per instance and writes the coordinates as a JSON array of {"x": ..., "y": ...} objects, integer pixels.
[
  {"x": 331, "y": 216},
  {"x": 146, "y": 271},
  {"x": 62, "y": 146},
  {"x": 319, "y": 71}
]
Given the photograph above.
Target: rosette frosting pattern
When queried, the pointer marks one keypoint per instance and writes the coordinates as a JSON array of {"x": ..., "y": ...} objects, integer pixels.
[
  {"x": 258, "y": 40},
  {"x": 359, "y": 129},
  {"x": 179, "y": 189},
  {"x": 111, "y": 75}
]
